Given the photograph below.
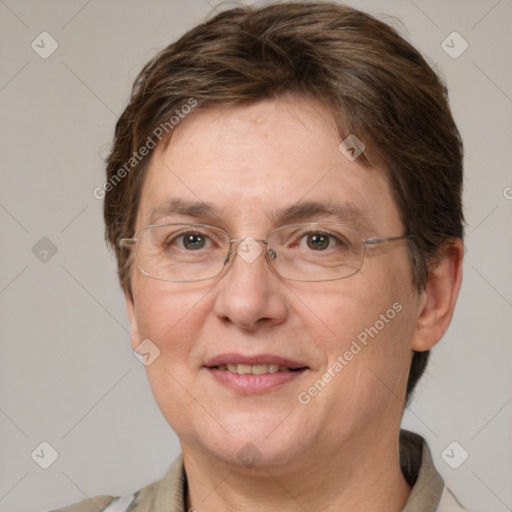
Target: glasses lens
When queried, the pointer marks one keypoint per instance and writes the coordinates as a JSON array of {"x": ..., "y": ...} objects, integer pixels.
[
  {"x": 316, "y": 251},
  {"x": 182, "y": 252}
]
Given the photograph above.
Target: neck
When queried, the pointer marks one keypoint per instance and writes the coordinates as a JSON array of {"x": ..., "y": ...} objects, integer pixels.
[{"x": 356, "y": 478}]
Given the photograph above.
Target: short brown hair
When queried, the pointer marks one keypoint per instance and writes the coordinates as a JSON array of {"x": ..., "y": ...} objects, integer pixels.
[{"x": 375, "y": 83}]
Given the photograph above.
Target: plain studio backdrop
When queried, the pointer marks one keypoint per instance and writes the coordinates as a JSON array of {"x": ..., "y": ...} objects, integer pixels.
[{"x": 68, "y": 375}]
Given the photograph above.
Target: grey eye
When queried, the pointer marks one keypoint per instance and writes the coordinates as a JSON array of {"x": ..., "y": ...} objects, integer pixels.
[{"x": 193, "y": 241}]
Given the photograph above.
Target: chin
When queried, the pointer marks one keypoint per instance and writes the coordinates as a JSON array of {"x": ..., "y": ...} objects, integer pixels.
[
  {"x": 257, "y": 455},
  {"x": 247, "y": 441}
]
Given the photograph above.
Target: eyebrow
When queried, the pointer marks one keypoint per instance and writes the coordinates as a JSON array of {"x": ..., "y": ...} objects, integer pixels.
[
  {"x": 338, "y": 212},
  {"x": 182, "y": 208},
  {"x": 335, "y": 211}
]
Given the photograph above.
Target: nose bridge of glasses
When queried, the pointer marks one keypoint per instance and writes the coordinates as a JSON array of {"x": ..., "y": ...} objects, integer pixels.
[
  {"x": 248, "y": 248},
  {"x": 247, "y": 239}
]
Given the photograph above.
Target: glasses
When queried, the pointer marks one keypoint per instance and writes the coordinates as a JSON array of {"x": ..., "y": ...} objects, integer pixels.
[{"x": 312, "y": 252}]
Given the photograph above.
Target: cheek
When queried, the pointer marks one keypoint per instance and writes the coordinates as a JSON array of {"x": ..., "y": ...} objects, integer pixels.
[
  {"x": 372, "y": 318},
  {"x": 366, "y": 370},
  {"x": 353, "y": 312},
  {"x": 172, "y": 318},
  {"x": 170, "y": 315}
]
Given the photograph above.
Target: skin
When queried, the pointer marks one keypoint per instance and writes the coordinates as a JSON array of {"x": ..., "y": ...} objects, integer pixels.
[{"x": 340, "y": 450}]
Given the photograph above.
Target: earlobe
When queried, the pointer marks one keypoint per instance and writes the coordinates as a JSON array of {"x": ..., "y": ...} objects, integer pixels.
[
  {"x": 436, "y": 303},
  {"x": 130, "y": 308}
]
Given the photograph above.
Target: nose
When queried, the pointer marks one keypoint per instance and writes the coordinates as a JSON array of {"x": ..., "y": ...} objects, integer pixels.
[{"x": 250, "y": 295}]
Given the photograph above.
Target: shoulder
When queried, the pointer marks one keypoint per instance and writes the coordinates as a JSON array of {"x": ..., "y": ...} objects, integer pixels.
[
  {"x": 159, "y": 495},
  {"x": 428, "y": 490},
  {"x": 88, "y": 505},
  {"x": 449, "y": 503},
  {"x": 101, "y": 504}
]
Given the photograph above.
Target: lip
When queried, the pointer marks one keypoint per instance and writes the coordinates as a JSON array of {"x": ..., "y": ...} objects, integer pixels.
[{"x": 249, "y": 383}]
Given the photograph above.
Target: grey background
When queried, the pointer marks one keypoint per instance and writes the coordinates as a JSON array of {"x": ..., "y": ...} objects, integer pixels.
[{"x": 68, "y": 376}]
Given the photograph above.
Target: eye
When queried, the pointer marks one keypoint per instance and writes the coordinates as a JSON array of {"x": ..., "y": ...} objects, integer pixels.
[
  {"x": 189, "y": 241},
  {"x": 318, "y": 241},
  {"x": 193, "y": 241}
]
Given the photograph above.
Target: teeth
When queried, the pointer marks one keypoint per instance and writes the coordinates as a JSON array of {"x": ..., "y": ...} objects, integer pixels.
[
  {"x": 255, "y": 369},
  {"x": 259, "y": 369},
  {"x": 243, "y": 369}
]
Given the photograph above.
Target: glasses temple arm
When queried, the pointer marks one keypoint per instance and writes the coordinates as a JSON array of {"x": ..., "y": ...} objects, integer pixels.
[
  {"x": 374, "y": 241},
  {"x": 127, "y": 242}
]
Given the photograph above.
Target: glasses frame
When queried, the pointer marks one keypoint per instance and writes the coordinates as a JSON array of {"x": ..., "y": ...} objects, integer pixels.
[{"x": 128, "y": 243}]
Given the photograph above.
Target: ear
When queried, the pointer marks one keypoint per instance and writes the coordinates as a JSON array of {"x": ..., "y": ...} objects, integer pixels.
[
  {"x": 437, "y": 301},
  {"x": 134, "y": 330}
]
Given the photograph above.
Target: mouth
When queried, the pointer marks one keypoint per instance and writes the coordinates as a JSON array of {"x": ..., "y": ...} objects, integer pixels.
[
  {"x": 255, "y": 369},
  {"x": 254, "y": 374}
]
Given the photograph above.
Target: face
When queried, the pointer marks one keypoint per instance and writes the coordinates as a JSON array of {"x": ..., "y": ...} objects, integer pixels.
[{"x": 349, "y": 340}]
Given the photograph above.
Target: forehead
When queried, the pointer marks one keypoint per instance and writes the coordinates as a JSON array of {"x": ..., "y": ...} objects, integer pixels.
[{"x": 261, "y": 165}]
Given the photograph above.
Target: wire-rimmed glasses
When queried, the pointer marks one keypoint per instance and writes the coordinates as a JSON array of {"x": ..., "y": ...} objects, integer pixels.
[{"x": 310, "y": 252}]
